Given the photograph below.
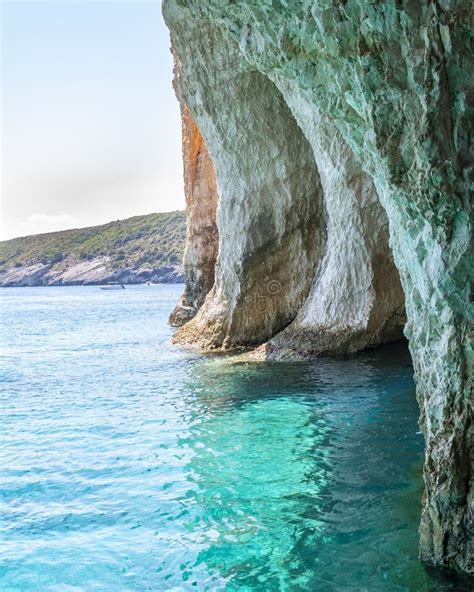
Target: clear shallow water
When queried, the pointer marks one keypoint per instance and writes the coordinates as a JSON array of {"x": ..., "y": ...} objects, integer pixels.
[{"x": 129, "y": 464}]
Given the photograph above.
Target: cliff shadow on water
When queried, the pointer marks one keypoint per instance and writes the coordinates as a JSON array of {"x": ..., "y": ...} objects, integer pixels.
[{"x": 308, "y": 475}]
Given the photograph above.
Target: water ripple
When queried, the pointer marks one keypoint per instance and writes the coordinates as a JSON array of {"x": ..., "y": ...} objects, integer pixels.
[{"x": 128, "y": 464}]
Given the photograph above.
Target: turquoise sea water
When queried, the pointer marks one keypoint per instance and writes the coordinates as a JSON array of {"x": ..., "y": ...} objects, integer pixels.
[{"x": 130, "y": 464}]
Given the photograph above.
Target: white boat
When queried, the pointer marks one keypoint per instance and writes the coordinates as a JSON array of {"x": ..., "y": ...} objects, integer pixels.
[{"x": 113, "y": 287}]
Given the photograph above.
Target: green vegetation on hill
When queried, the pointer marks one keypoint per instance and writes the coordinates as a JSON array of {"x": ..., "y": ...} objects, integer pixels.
[{"x": 150, "y": 240}]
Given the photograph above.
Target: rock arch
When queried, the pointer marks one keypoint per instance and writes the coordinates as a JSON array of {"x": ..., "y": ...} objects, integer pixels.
[
  {"x": 389, "y": 80},
  {"x": 267, "y": 255},
  {"x": 286, "y": 242}
]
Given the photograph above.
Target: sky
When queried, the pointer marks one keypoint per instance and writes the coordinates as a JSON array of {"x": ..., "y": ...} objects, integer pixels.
[{"x": 90, "y": 128}]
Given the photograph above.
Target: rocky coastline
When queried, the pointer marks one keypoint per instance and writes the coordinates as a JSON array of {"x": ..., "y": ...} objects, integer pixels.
[
  {"x": 70, "y": 272},
  {"x": 136, "y": 250}
]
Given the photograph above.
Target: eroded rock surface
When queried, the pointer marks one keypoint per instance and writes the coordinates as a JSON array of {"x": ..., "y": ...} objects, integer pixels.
[
  {"x": 270, "y": 215},
  {"x": 384, "y": 87},
  {"x": 356, "y": 299},
  {"x": 201, "y": 203},
  {"x": 263, "y": 286}
]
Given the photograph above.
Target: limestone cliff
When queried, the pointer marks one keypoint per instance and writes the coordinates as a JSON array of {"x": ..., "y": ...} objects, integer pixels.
[
  {"x": 330, "y": 124},
  {"x": 201, "y": 203},
  {"x": 282, "y": 233}
]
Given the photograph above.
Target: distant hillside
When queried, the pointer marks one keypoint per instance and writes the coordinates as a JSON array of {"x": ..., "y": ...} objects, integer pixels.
[{"x": 136, "y": 250}]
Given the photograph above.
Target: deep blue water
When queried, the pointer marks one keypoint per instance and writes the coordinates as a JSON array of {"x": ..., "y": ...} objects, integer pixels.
[{"x": 130, "y": 464}]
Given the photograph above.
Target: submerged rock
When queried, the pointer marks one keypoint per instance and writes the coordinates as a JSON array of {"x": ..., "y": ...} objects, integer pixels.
[{"x": 327, "y": 123}]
